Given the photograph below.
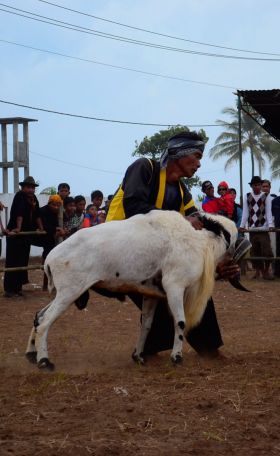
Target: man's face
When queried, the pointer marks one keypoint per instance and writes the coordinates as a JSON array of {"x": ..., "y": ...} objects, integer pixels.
[
  {"x": 257, "y": 188},
  {"x": 30, "y": 189},
  {"x": 54, "y": 207},
  {"x": 222, "y": 191},
  {"x": 265, "y": 187},
  {"x": 189, "y": 165},
  {"x": 209, "y": 191},
  {"x": 233, "y": 194}
]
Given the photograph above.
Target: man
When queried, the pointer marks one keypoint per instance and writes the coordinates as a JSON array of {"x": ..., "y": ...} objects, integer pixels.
[
  {"x": 148, "y": 185},
  {"x": 24, "y": 216},
  {"x": 63, "y": 190},
  {"x": 276, "y": 215},
  {"x": 210, "y": 202},
  {"x": 237, "y": 212},
  {"x": 266, "y": 188},
  {"x": 257, "y": 215},
  {"x": 49, "y": 216}
]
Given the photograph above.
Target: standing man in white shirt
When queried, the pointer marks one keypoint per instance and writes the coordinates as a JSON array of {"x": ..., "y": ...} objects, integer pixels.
[{"x": 257, "y": 215}]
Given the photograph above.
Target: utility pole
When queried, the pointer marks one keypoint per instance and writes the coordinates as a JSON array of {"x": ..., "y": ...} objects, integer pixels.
[{"x": 240, "y": 148}]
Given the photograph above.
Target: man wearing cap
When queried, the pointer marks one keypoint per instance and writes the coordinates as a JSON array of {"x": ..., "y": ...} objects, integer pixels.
[
  {"x": 148, "y": 185},
  {"x": 210, "y": 202},
  {"x": 24, "y": 216},
  {"x": 257, "y": 215}
]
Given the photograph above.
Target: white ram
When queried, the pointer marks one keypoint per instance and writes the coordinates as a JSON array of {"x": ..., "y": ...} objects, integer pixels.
[{"x": 132, "y": 252}]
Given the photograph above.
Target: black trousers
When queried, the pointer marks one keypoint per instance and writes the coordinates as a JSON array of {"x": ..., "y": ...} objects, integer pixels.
[
  {"x": 204, "y": 337},
  {"x": 17, "y": 254}
]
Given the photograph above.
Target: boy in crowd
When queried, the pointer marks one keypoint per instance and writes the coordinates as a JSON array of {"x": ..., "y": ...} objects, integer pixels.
[
  {"x": 226, "y": 201},
  {"x": 96, "y": 198}
]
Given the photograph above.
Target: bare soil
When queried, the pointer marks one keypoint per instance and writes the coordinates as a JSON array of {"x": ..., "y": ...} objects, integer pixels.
[{"x": 98, "y": 402}]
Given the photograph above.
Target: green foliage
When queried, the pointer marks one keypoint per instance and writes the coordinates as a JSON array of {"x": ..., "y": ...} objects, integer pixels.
[
  {"x": 48, "y": 191},
  {"x": 154, "y": 146},
  {"x": 192, "y": 182},
  {"x": 254, "y": 139}
]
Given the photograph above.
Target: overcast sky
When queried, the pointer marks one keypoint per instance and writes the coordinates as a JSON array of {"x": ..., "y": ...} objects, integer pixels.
[{"x": 90, "y": 154}]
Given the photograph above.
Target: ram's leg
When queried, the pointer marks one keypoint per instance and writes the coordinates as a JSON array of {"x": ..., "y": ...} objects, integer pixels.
[
  {"x": 175, "y": 296},
  {"x": 58, "y": 306},
  {"x": 148, "y": 311},
  {"x": 31, "y": 353}
]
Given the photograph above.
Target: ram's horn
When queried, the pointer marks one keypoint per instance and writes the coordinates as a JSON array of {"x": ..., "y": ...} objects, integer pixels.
[{"x": 236, "y": 284}]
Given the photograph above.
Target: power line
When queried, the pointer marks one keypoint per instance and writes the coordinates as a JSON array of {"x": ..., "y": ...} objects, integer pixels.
[
  {"x": 164, "y": 76},
  {"x": 78, "y": 28},
  {"x": 103, "y": 119},
  {"x": 76, "y": 164},
  {"x": 154, "y": 33}
]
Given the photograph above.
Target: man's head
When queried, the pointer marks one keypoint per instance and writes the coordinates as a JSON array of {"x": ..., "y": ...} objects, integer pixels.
[
  {"x": 28, "y": 185},
  {"x": 63, "y": 190},
  {"x": 266, "y": 186},
  {"x": 207, "y": 188},
  {"x": 54, "y": 203},
  {"x": 183, "y": 154},
  {"x": 222, "y": 188},
  {"x": 256, "y": 184},
  {"x": 96, "y": 198}
]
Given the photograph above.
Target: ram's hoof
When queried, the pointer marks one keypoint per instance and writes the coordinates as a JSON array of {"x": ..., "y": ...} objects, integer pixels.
[
  {"x": 32, "y": 357},
  {"x": 177, "y": 359},
  {"x": 44, "y": 363},
  {"x": 137, "y": 358}
]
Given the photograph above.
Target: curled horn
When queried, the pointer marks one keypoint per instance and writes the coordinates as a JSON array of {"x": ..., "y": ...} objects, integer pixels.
[{"x": 241, "y": 249}]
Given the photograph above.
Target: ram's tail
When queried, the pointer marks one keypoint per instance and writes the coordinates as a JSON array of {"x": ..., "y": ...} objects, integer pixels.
[{"x": 198, "y": 294}]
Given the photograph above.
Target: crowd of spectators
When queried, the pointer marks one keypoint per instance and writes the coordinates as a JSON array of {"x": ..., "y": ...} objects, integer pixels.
[
  {"x": 44, "y": 227},
  {"x": 63, "y": 215},
  {"x": 259, "y": 214}
]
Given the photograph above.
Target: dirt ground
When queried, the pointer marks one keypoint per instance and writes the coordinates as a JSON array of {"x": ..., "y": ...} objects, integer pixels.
[{"x": 98, "y": 402}]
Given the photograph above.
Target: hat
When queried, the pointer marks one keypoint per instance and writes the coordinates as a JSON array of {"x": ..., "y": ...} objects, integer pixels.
[
  {"x": 255, "y": 180},
  {"x": 205, "y": 185},
  {"x": 223, "y": 184},
  {"x": 29, "y": 180},
  {"x": 55, "y": 199}
]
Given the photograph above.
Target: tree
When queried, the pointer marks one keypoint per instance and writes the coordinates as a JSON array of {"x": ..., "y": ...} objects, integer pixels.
[
  {"x": 154, "y": 146},
  {"x": 254, "y": 139},
  {"x": 275, "y": 164},
  {"x": 48, "y": 191}
]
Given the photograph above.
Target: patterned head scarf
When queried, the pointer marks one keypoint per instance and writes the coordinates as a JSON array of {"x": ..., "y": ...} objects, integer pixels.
[{"x": 181, "y": 145}]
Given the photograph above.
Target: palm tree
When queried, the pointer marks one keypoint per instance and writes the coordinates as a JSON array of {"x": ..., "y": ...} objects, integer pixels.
[{"x": 254, "y": 139}]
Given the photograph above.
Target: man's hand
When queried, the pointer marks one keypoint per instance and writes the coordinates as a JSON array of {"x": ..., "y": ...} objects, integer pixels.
[
  {"x": 226, "y": 269},
  {"x": 241, "y": 230},
  {"x": 195, "y": 221}
]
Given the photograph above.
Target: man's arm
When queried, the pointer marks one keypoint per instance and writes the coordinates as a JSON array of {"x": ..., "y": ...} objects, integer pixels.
[
  {"x": 245, "y": 213},
  {"x": 137, "y": 188}
]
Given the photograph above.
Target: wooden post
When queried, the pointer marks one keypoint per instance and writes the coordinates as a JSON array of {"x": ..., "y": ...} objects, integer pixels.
[
  {"x": 4, "y": 157},
  {"x": 26, "y": 145},
  {"x": 240, "y": 149},
  {"x": 15, "y": 149}
]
